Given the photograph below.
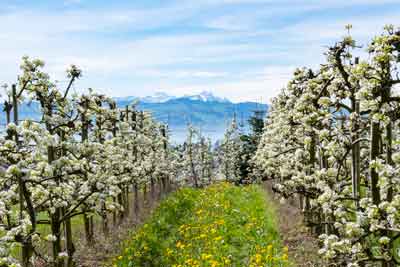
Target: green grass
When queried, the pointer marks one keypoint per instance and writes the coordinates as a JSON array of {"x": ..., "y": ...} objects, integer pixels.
[
  {"x": 77, "y": 225},
  {"x": 221, "y": 225}
]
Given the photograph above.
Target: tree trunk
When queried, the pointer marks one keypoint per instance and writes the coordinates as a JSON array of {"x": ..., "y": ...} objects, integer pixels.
[
  {"x": 114, "y": 213},
  {"x": 88, "y": 229},
  {"x": 69, "y": 242},
  {"x": 56, "y": 231},
  {"x": 120, "y": 202},
  {"x": 152, "y": 189},
  {"x": 136, "y": 198}
]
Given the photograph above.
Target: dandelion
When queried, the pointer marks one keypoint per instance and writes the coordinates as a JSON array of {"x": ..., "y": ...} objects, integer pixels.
[
  {"x": 214, "y": 263},
  {"x": 168, "y": 252},
  {"x": 258, "y": 258},
  {"x": 205, "y": 256},
  {"x": 180, "y": 245}
]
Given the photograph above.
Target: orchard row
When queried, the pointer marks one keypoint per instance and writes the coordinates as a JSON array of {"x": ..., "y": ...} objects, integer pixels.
[
  {"x": 84, "y": 158},
  {"x": 332, "y": 139}
]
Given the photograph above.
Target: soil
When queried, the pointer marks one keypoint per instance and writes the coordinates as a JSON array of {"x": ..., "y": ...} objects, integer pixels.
[
  {"x": 106, "y": 248},
  {"x": 303, "y": 246}
]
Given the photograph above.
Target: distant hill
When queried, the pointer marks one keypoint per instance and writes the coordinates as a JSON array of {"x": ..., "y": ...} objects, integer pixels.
[{"x": 209, "y": 113}]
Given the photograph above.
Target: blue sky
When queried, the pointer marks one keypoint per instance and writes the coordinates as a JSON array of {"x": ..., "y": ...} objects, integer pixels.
[{"x": 241, "y": 49}]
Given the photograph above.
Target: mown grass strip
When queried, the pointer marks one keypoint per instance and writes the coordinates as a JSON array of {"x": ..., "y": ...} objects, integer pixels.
[{"x": 221, "y": 225}]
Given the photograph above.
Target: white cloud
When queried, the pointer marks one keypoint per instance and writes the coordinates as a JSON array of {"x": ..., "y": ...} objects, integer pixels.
[
  {"x": 155, "y": 48},
  {"x": 184, "y": 74},
  {"x": 364, "y": 27},
  {"x": 72, "y": 2},
  {"x": 259, "y": 85}
]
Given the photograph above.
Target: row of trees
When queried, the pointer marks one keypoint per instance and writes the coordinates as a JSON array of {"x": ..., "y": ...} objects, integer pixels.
[
  {"x": 235, "y": 153},
  {"x": 84, "y": 157},
  {"x": 229, "y": 159},
  {"x": 331, "y": 137},
  {"x": 198, "y": 165}
]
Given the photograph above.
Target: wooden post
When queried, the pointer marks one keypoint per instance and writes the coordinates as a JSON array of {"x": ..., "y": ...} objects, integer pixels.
[
  {"x": 308, "y": 216},
  {"x": 15, "y": 109},
  {"x": 104, "y": 218},
  {"x": 136, "y": 198},
  {"x": 164, "y": 180},
  {"x": 126, "y": 187},
  {"x": 145, "y": 197},
  {"x": 67, "y": 224},
  {"x": 355, "y": 150},
  {"x": 85, "y": 137},
  {"x": 389, "y": 160},
  {"x": 26, "y": 251},
  {"x": 7, "y": 108},
  {"x": 374, "y": 153},
  {"x": 134, "y": 153}
]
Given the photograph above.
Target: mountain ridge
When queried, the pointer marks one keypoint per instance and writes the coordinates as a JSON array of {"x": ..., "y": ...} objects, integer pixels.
[
  {"x": 162, "y": 97},
  {"x": 211, "y": 114}
]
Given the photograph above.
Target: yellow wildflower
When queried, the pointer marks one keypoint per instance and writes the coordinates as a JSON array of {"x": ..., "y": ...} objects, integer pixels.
[
  {"x": 285, "y": 257},
  {"x": 180, "y": 245},
  {"x": 205, "y": 256}
]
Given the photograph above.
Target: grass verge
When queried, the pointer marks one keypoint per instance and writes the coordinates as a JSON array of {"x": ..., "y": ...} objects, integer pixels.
[{"x": 221, "y": 225}]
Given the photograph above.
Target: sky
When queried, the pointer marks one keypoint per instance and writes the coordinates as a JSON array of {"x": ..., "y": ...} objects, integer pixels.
[{"x": 245, "y": 50}]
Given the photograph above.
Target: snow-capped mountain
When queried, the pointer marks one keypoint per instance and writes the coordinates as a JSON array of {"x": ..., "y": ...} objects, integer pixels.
[
  {"x": 126, "y": 98},
  {"x": 161, "y": 97},
  {"x": 206, "y": 96},
  {"x": 158, "y": 97}
]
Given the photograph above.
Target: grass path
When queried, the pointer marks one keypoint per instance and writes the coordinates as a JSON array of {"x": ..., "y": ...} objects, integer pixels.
[{"x": 221, "y": 225}]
